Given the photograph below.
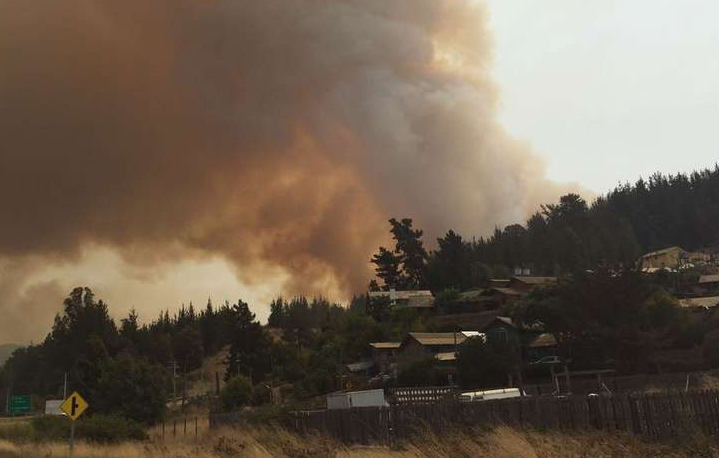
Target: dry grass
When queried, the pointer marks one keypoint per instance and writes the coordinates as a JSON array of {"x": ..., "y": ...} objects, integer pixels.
[{"x": 270, "y": 443}]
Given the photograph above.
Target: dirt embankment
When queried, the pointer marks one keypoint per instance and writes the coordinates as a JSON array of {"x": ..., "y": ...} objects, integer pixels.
[{"x": 273, "y": 443}]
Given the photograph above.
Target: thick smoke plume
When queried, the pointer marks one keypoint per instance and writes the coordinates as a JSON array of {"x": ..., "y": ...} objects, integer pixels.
[{"x": 275, "y": 133}]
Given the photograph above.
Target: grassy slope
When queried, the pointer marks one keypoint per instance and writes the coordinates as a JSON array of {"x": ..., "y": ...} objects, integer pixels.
[
  {"x": 500, "y": 443},
  {"x": 5, "y": 352}
]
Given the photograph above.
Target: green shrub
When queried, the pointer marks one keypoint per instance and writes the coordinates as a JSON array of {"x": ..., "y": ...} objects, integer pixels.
[
  {"x": 236, "y": 394},
  {"x": 96, "y": 428}
]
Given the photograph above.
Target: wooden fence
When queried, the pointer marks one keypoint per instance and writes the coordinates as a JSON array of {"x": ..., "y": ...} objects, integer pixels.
[{"x": 653, "y": 415}]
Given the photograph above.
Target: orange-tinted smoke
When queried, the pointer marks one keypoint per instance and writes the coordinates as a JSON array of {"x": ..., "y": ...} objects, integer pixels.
[{"x": 273, "y": 132}]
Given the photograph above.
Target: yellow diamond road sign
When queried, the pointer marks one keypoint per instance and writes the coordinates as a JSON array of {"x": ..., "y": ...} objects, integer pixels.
[{"x": 74, "y": 406}]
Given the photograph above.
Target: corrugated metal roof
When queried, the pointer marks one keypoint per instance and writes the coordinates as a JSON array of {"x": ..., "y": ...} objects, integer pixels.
[
  {"x": 709, "y": 279},
  {"x": 437, "y": 338},
  {"x": 385, "y": 345},
  {"x": 707, "y": 302},
  {"x": 543, "y": 340}
]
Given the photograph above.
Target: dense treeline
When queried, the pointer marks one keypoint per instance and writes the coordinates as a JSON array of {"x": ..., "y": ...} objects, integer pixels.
[
  {"x": 126, "y": 370},
  {"x": 561, "y": 238},
  {"x": 121, "y": 370}
]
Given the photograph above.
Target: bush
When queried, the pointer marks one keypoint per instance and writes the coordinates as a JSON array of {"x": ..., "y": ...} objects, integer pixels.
[
  {"x": 97, "y": 428},
  {"x": 421, "y": 372},
  {"x": 236, "y": 394}
]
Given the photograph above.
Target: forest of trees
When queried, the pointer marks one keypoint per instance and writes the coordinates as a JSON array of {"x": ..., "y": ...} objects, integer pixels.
[
  {"x": 604, "y": 303},
  {"x": 562, "y": 238}
]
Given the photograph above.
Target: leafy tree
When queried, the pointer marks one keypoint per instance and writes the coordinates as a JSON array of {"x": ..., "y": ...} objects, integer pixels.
[
  {"x": 131, "y": 388},
  {"x": 419, "y": 372},
  {"x": 236, "y": 394},
  {"x": 387, "y": 268},
  {"x": 487, "y": 362},
  {"x": 410, "y": 249},
  {"x": 187, "y": 348}
]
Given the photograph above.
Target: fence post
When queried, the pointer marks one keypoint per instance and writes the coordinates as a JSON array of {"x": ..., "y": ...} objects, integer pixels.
[{"x": 174, "y": 427}]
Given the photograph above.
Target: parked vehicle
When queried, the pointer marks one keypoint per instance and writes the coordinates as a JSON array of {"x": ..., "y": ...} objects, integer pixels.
[
  {"x": 488, "y": 395},
  {"x": 367, "y": 398}
]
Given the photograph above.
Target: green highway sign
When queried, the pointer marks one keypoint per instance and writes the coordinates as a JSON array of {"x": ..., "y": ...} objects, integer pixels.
[{"x": 20, "y": 405}]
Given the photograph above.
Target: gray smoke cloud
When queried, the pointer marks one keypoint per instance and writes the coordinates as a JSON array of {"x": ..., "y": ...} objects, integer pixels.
[{"x": 273, "y": 133}]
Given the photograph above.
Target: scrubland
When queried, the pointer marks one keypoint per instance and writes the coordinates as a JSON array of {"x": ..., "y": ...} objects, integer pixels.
[{"x": 272, "y": 442}]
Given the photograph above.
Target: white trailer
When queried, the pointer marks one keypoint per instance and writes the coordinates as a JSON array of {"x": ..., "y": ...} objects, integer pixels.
[
  {"x": 368, "y": 398},
  {"x": 488, "y": 395}
]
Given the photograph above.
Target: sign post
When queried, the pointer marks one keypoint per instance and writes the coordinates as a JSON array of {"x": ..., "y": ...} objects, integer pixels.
[{"x": 73, "y": 407}]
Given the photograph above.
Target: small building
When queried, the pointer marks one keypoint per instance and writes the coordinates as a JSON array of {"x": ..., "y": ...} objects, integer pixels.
[
  {"x": 545, "y": 344},
  {"x": 709, "y": 284},
  {"x": 419, "y": 299},
  {"x": 535, "y": 343},
  {"x": 526, "y": 284},
  {"x": 384, "y": 354},
  {"x": 431, "y": 343},
  {"x": 673, "y": 258}
]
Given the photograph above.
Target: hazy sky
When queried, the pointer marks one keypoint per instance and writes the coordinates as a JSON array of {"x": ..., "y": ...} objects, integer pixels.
[{"x": 608, "y": 90}]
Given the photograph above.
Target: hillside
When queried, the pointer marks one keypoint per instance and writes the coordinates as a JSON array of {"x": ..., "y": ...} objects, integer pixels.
[{"x": 5, "y": 352}]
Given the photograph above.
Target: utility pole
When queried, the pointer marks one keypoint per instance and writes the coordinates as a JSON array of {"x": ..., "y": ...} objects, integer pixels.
[{"x": 174, "y": 382}]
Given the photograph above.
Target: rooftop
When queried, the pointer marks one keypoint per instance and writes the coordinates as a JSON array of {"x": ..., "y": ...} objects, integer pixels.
[
  {"x": 662, "y": 251},
  {"x": 385, "y": 345},
  {"x": 437, "y": 338},
  {"x": 709, "y": 279},
  {"x": 706, "y": 302},
  {"x": 543, "y": 340}
]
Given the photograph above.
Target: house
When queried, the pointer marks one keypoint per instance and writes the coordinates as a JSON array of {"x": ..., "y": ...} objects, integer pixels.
[
  {"x": 405, "y": 299},
  {"x": 384, "y": 355},
  {"x": 709, "y": 284},
  {"x": 475, "y": 300},
  {"x": 545, "y": 344},
  {"x": 431, "y": 343},
  {"x": 526, "y": 284},
  {"x": 672, "y": 258},
  {"x": 535, "y": 343},
  {"x": 499, "y": 282}
]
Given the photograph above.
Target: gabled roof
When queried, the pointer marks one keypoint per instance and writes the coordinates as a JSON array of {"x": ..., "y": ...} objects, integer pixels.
[
  {"x": 534, "y": 280},
  {"x": 385, "y": 345},
  {"x": 706, "y": 302},
  {"x": 437, "y": 338},
  {"x": 543, "y": 340},
  {"x": 709, "y": 279},
  {"x": 400, "y": 295},
  {"x": 410, "y": 299},
  {"x": 662, "y": 251},
  {"x": 507, "y": 291},
  {"x": 537, "y": 327},
  {"x": 473, "y": 295}
]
